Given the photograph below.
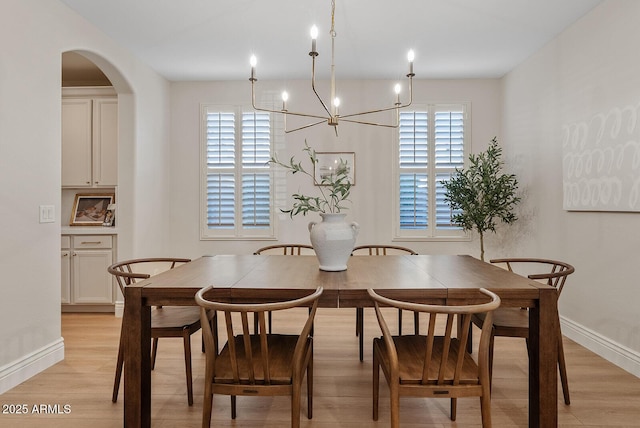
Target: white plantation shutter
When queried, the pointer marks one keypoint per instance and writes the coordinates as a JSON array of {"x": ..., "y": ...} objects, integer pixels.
[
  {"x": 220, "y": 157},
  {"x": 431, "y": 144},
  {"x": 238, "y": 177},
  {"x": 413, "y": 135},
  {"x": 449, "y": 155},
  {"x": 256, "y": 180}
]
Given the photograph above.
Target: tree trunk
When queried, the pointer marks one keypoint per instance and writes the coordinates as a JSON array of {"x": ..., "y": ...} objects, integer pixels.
[{"x": 481, "y": 246}]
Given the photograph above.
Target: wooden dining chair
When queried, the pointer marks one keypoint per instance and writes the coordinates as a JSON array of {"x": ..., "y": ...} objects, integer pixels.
[
  {"x": 283, "y": 250},
  {"x": 286, "y": 250},
  {"x": 379, "y": 250},
  {"x": 435, "y": 365},
  {"x": 166, "y": 321},
  {"x": 258, "y": 364},
  {"x": 514, "y": 322}
]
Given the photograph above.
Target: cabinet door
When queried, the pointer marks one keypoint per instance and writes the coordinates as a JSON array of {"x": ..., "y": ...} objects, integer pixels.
[
  {"x": 65, "y": 261},
  {"x": 91, "y": 281},
  {"x": 105, "y": 142},
  {"x": 76, "y": 142}
]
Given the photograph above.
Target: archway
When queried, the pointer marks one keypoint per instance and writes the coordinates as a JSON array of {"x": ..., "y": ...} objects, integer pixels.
[{"x": 85, "y": 68}]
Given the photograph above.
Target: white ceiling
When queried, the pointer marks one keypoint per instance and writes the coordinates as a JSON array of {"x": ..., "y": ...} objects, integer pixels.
[{"x": 213, "y": 39}]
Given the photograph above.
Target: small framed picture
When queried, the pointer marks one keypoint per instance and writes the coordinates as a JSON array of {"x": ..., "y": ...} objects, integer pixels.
[
  {"x": 110, "y": 217},
  {"x": 332, "y": 163},
  {"x": 90, "y": 209}
]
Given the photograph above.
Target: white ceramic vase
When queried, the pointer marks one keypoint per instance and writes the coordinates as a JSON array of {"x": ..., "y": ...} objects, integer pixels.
[{"x": 333, "y": 240}]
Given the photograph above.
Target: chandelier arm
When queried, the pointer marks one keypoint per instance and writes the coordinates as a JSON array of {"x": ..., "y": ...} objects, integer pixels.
[
  {"x": 285, "y": 112},
  {"x": 384, "y": 125},
  {"x": 397, "y": 106},
  {"x": 293, "y": 113},
  {"x": 286, "y": 131}
]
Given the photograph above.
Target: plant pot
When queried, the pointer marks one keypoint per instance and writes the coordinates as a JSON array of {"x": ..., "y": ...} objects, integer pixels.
[{"x": 333, "y": 240}]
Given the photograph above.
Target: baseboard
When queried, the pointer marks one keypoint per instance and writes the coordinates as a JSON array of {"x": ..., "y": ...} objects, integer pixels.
[
  {"x": 616, "y": 353},
  {"x": 119, "y": 308},
  {"x": 15, "y": 373}
]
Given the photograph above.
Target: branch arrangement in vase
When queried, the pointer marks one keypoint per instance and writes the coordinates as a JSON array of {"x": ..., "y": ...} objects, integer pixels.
[{"x": 334, "y": 188}]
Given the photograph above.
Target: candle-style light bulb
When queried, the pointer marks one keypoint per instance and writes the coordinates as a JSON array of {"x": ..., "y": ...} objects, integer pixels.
[
  {"x": 411, "y": 56},
  {"x": 397, "y": 90},
  {"x": 314, "y": 36},
  {"x": 336, "y": 104},
  {"x": 285, "y": 97},
  {"x": 253, "y": 61}
]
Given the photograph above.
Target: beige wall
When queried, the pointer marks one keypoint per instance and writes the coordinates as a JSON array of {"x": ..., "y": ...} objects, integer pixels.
[
  {"x": 591, "y": 68},
  {"x": 33, "y": 35}
]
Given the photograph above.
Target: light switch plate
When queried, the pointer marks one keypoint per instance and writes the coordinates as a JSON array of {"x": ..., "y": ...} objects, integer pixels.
[{"x": 47, "y": 213}]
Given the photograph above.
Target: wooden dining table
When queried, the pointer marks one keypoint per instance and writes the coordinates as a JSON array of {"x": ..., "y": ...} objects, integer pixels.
[{"x": 440, "y": 279}]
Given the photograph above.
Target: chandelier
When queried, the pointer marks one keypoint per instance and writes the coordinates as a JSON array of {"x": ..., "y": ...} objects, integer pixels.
[{"x": 332, "y": 116}]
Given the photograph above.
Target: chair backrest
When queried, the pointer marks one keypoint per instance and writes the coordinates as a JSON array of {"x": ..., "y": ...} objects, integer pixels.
[
  {"x": 381, "y": 250},
  {"x": 249, "y": 364},
  {"x": 441, "y": 346},
  {"x": 551, "y": 272},
  {"x": 128, "y": 272},
  {"x": 287, "y": 249}
]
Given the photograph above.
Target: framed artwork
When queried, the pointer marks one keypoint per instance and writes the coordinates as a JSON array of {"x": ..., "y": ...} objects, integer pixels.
[
  {"x": 330, "y": 163},
  {"x": 90, "y": 209}
]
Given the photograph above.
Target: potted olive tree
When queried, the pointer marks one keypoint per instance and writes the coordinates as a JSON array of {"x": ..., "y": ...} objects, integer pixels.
[
  {"x": 333, "y": 239},
  {"x": 482, "y": 194}
]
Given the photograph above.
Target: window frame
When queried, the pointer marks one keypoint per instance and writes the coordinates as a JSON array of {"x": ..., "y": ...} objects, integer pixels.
[
  {"x": 431, "y": 232},
  {"x": 238, "y": 231}
]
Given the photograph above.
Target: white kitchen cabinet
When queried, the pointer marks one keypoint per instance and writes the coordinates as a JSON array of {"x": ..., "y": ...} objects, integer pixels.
[
  {"x": 85, "y": 280},
  {"x": 89, "y": 142}
]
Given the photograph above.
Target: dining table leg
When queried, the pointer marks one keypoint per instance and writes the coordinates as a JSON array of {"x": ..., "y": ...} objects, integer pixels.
[
  {"x": 543, "y": 376},
  {"x": 137, "y": 361}
]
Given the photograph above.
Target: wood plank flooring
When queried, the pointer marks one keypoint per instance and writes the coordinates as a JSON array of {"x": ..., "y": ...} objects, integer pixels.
[{"x": 602, "y": 395}]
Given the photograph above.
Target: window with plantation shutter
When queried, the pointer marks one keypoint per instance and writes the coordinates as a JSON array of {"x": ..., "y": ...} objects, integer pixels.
[
  {"x": 237, "y": 178},
  {"x": 432, "y": 143}
]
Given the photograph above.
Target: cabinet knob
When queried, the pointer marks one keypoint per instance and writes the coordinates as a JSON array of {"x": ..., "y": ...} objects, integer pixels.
[{"x": 65, "y": 255}]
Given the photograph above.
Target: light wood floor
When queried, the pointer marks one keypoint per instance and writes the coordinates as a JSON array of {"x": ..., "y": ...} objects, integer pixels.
[{"x": 602, "y": 395}]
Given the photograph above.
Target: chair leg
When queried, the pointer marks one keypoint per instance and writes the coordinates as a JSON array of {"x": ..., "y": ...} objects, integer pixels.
[
  {"x": 563, "y": 371},
  {"x": 400, "y": 322},
  {"x": 187, "y": 366},
  {"x": 491, "y": 343},
  {"x": 416, "y": 322},
  {"x": 119, "y": 366},
  {"x": 394, "y": 398},
  {"x": 154, "y": 351},
  {"x": 358, "y": 323},
  {"x": 295, "y": 404},
  {"x": 485, "y": 410},
  {"x": 207, "y": 404},
  {"x": 310, "y": 387}
]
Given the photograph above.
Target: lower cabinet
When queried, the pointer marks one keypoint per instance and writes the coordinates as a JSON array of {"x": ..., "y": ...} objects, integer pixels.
[{"x": 85, "y": 280}]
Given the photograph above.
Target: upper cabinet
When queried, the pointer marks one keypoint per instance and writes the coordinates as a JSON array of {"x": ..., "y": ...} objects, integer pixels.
[{"x": 89, "y": 139}]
